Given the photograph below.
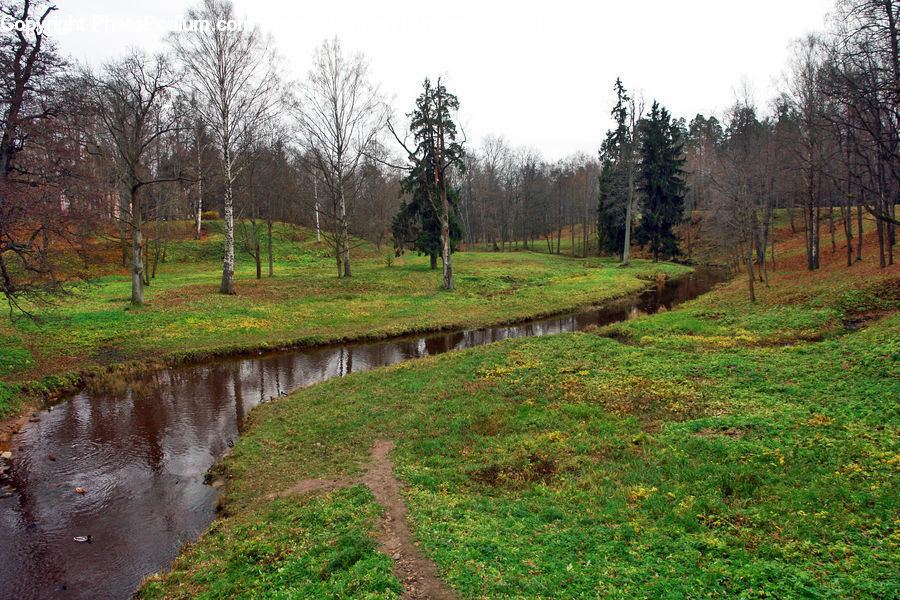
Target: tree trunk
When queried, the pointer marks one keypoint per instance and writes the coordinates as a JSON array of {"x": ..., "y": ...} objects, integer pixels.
[
  {"x": 345, "y": 234},
  {"x": 574, "y": 249},
  {"x": 123, "y": 234},
  {"x": 146, "y": 244},
  {"x": 445, "y": 240},
  {"x": 811, "y": 216},
  {"x": 831, "y": 227},
  {"x": 891, "y": 238},
  {"x": 157, "y": 242},
  {"x": 750, "y": 278},
  {"x": 199, "y": 215},
  {"x": 228, "y": 261},
  {"x": 629, "y": 203},
  {"x": 137, "y": 256},
  {"x": 269, "y": 224},
  {"x": 847, "y": 221},
  {"x": 817, "y": 237},
  {"x": 859, "y": 228},
  {"x": 255, "y": 249},
  {"x": 773, "y": 247},
  {"x": 316, "y": 197}
]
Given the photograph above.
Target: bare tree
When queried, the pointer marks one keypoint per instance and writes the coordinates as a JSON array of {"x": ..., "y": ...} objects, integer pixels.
[
  {"x": 132, "y": 103},
  {"x": 43, "y": 184},
  {"x": 380, "y": 186},
  {"x": 264, "y": 188},
  {"x": 341, "y": 115},
  {"x": 863, "y": 87},
  {"x": 203, "y": 158},
  {"x": 234, "y": 72},
  {"x": 744, "y": 207},
  {"x": 807, "y": 101}
]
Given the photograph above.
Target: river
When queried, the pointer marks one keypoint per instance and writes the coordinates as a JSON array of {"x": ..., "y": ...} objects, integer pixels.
[{"x": 140, "y": 456}]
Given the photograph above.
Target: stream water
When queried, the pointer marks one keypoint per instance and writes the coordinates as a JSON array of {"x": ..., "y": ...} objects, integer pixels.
[{"x": 140, "y": 456}]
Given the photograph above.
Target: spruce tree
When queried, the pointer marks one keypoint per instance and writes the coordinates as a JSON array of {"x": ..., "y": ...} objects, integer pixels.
[
  {"x": 616, "y": 197},
  {"x": 661, "y": 182},
  {"x": 416, "y": 226},
  {"x": 437, "y": 154},
  {"x": 611, "y": 209}
]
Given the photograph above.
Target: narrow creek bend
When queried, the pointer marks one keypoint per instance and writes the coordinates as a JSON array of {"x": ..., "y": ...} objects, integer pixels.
[{"x": 140, "y": 456}]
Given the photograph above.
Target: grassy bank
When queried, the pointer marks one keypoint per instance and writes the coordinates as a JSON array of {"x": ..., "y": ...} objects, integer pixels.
[
  {"x": 722, "y": 450},
  {"x": 304, "y": 304}
]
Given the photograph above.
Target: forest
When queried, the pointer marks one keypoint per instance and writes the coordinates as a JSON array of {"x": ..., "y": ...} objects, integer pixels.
[
  {"x": 212, "y": 129},
  {"x": 168, "y": 218}
]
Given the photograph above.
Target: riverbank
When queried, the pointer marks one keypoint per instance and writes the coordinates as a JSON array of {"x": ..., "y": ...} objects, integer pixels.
[
  {"x": 723, "y": 449},
  {"x": 98, "y": 336}
]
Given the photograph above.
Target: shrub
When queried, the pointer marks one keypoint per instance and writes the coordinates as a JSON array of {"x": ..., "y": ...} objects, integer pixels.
[{"x": 210, "y": 215}]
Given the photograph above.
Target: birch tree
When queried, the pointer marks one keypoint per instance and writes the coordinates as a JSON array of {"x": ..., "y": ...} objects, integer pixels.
[
  {"x": 233, "y": 70},
  {"x": 341, "y": 115}
]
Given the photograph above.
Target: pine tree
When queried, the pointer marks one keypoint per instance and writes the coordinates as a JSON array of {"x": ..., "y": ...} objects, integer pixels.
[
  {"x": 617, "y": 158},
  {"x": 661, "y": 181}
]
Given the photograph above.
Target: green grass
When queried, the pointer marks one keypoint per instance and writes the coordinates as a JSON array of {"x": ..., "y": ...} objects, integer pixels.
[
  {"x": 304, "y": 304},
  {"x": 722, "y": 450},
  {"x": 322, "y": 549}
]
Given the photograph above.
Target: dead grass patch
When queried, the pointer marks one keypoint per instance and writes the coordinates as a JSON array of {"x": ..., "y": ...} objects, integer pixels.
[{"x": 734, "y": 433}]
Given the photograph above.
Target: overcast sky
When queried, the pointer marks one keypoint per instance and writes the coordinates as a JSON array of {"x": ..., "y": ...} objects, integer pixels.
[{"x": 538, "y": 73}]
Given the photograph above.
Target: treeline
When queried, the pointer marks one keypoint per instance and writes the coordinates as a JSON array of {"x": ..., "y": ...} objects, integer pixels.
[
  {"x": 826, "y": 150},
  {"x": 213, "y": 127},
  {"x": 513, "y": 198},
  {"x": 209, "y": 128}
]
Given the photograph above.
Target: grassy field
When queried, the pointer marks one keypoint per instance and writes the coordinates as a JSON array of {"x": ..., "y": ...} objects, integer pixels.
[
  {"x": 304, "y": 304},
  {"x": 721, "y": 450}
]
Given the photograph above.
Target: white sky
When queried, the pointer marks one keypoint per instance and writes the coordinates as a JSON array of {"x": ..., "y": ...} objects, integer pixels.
[{"x": 538, "y": 73}]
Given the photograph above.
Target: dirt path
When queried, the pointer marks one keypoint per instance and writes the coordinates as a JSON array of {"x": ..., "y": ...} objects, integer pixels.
[{"x": 417, "y": 573}]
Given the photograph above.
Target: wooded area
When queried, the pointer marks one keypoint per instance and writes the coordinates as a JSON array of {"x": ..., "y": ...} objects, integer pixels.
[{"x": 214, "y": 129}]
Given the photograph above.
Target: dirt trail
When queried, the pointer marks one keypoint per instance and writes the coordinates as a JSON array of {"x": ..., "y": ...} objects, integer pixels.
[{"x": 417, "y": 573}]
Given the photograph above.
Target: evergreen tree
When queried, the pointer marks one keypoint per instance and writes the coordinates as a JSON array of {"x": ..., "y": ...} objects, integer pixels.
[
  {"x": 611, "y": 209},
  {"x": 436, "y": 156},
  {"x": 417, "y": 227},
  {"x": 661, "y": 181},
  {"x": 616, "y": 196}
]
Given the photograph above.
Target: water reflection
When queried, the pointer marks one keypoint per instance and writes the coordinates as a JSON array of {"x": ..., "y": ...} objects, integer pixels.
[{"x": 141, "y": 456}]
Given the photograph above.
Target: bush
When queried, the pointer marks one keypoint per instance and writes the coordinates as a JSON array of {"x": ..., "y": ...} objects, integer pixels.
[{"x": 210, "y": 215}]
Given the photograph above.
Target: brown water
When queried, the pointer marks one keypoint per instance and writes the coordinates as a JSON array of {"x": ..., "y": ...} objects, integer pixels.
[{"x": 141, "y": 456}]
